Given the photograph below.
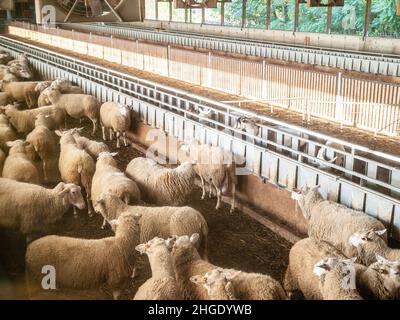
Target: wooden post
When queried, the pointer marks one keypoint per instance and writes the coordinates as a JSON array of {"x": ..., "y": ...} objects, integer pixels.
[
  {"x": 367, "y": 17},
  {"x": 203, "y": 15},
  {"x": 156, "y": 10},
  {"x": 329, "y": 20},
  {"x": 244, "y": 4},
  {"x": 268, "y": 19},
  {"x": 222, "y": 13},
  {"x": 170, "y": 10},
  {"x": 398, "y": 7},
  {"x": 296, "y": 16}
]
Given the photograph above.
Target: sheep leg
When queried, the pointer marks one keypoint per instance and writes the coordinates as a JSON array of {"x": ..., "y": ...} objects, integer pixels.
[
  {"x": 94, "y": 122},
  {"x": 133, "y": 273},
  {"x": 44, "y": 171},
  {"x": 233, "y": 203},
  {"x": 118, "y": 134},
  {"x": 104, "y": 133},
  {"x": 116, "y": 294},
  {"x": 75, "y": 213},
  {"x": 90, "y": 210},
  {"x": 125, "y": 142},
  {"x": 203, "y": 195},
  {"x": 111, "y": 134},
  {"x": 210, "y": 194},
  {"x": 103, "y": 226},
  {"x": 218, "y": 198}
]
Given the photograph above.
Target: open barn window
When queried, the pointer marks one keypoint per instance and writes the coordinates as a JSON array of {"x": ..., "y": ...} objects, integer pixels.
[
  {"x": 213, "y": 15},
  {"x": 256, "y": 12},
  {"x": 350, "y": 18},
  {"x": 150, "y": 9},
  {"x": 384, "y": 21},
  {"x": 233, "y": 13},
  {"x": 312, "y": 19},
  {"x": 282, "y": 14}
]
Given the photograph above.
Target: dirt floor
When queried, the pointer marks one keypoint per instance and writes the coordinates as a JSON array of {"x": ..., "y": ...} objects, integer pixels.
[
  {"x": 235, "y": 241},
  {"x": 361, "y": 137}
]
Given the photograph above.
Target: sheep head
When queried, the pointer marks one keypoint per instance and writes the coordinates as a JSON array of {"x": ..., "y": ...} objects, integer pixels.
[
  {"x": 151, "y": 246},
  {"x": 125, "y": 221},
  {"x": 53, "y": 95},
  {"x": 60, "y": 84},
  {"x": 306, "y": 198},
  {"x": 327, "y": 267},
  {"x": 74, "y": 193},
  {"x": 41, "y": 86},
  {"x": 368, "y": 241},
  {"x": 389, "y": 270}
]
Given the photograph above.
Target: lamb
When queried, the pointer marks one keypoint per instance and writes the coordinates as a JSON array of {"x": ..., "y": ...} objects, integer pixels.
[
  {"x": 75, "y": 165},
  {"x": 337, "y": 279},
  {"x": 370, "y": 243},
  {"x": 381, "y": 280},
  {"x": 6, "y": 132},
  {"x": 21, "y": 91},
  {"x": 24, "y": 120},
  {"x": 215, "y": 166},
  {"x": 76, "y": 105},
  {"x": 160, "y": 185},
  {"x": 30, "y": 208},
  {"x": 92, "y": 147},
  {"x": 218, "y": 283},
  {"x": 108, "y": 179},
  {"x": 44, "y": 141},
  {"x": 65, "y": 86},
  {"x": 333, "y": 222},
  {"x": 117, "y": 118},
  {"x": 18, "y": 165},
  {"x": 87, "y": 263},
  {"x": 302, "y": 257},
  {"x": 162, "y": 284},
  {"x": 159, "y": 221},
  {"x": 247, "y": 124},
  {"x": 337, "y": 159},
  {"x": 247, "y": 286},
  {"x": 2, "y": 159}
]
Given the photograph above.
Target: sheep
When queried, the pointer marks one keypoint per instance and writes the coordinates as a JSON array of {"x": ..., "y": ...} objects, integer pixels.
[
  {"x": 331, "y": 221},
  {"x": 21, "y": 91},
  {"x": 5, "y": 57},
  {"x": 109, "y": 179},
  {"x": 247, "y": 124},
  {"x": 23, "y": 67},
  {"x": 44, "y": 141},
  {"x": 337, "y": 279},
  {"x": 162, "y": 284},
  {"x": 87, "y": 263},
  {"x": 215, "y": 166},
  {"x": 2, "y": 159},
  {"x": 76, "y": 105},
  {"x": 65, "y": 86},
  {"x": 158, "y": 221},
  {"x": 337, "y": 159},
  {"x": 43, "y": 88},
  {"x": 24, "y": 120},
  {"x": 247, "y": 286},
  {"x": 92, "y": 147},
  {"x": 18, "y": 165},
  {"x": 6, "y": 132},
  {"x": 160, "y": 185},
  {"x": 370, "y": 243},
  {"x": 4, "y": 99},
  {"x": 75, "y": 165},
  {"x": 218, "y": 283},
  {"x": 30, "y": 208},
  {"x": 117, "y": 118},
  {"x": 7, "y": 76},
  {"x": 302, "y": 257},
  {"x": 381, "y": 280}
]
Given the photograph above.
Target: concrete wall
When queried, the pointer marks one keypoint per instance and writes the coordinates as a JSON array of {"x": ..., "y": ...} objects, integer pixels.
[{"x": 333, "y": 41}]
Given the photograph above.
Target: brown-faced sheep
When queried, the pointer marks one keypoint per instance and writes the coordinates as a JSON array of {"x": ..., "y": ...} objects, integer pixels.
[
  {"x": 370, "y": 243},
  {"x": 214, "y": 166},
  {"x": 94, "y": 148},
  {"x": 247, "y": 286},
  {"x": 45, "y": 143},
  {"x": 108, "y": 179},
  {"x": 159, "y": 221},
  {"x": 84, "y": 263},
  {"x": 77, "y": 105},
  {"x": 19, "y": 164},
  {"x": 162, "y": 284},
  {"x": 6, "y": 132},
  {"x": 30, "y": 208},
  {"x": 160, "y": 185},
  {"x": 117, "y": 118},
  {"x": 76, "y": 165},
  {"x": 21, "y": 92},
  {"x": 333, "y": 222},
  {"x": 24, "y": 120}
]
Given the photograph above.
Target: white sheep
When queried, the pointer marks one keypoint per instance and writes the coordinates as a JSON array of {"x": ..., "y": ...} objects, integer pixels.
[
  {"x": 247, "y": 286},
  {"x": 43, "y": 88},
  {"x": 7, "y": 133},
  {"x": 30, "y": 208},
  {"x": 24, "y": 120},
  {"x": 76, "y": 165},
  {"x": 248, "y": 124},
  {"x": 337, "y": 159},
  {"x": 108, "y": 179},
  {"x": 371, "y": 243},
  {"x": 215, "y": 166},
  {"x": 94, "y": 148},
  {"x": 44, "y": 141},
  {"x": 162, "y": 284},
  {"x": 218, "y": 283},
  {"x": 333, "y": 222},
  {"x": 77, "y": 105},
  {"x": 117, "y": 118},
  {"x": 381, "y": 280},
  {"x": 160, "y": 185},
  {"x": 65, "y": 86},
  {"x": 158, "y": 221},
  {"x": 19, "y": 164},
  {"x": 337, "y": 279},
  {"x": 87, "y": 263},
  {"x": 21, "y": 91}
]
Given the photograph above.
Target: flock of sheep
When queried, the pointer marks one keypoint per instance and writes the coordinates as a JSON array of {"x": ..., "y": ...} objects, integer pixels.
[{"x": 145, "y": 205}]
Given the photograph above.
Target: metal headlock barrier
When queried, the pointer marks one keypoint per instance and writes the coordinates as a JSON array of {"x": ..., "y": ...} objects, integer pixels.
[
  {"x": 274, "y": 155},
  {"x": 375, "y": 63}
]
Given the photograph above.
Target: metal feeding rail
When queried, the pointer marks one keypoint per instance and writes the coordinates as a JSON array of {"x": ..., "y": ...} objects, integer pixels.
[
  {"x": 274, "y": 155},
  {"x": 375, "y": 63}
]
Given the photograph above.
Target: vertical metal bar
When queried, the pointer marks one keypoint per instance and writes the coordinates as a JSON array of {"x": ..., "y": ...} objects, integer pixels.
[
  {"x": 156, "y": 10},
  {"x": 170, "y": 11}
]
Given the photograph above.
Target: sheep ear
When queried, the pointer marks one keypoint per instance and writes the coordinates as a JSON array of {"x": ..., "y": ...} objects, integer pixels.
[
  {"x": 380, "y": 259},
  {"x": 170, "y": 242},
  {"x": 59, "y": 133},
  {"x": 114, "y": 223},
  {"x": 10, "y": 143},
  {"x": 79, "y": 129},
  {"x": 113, "y": 154},
  {"x": 194, "y": 238},
  {"x": 315, "y": 188},
  {"x": 63, "y": 189},
  {"x": 231, "y": 274},
  {"x": 380, "y": 232},
  {"x": 141, "y": 248}
]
